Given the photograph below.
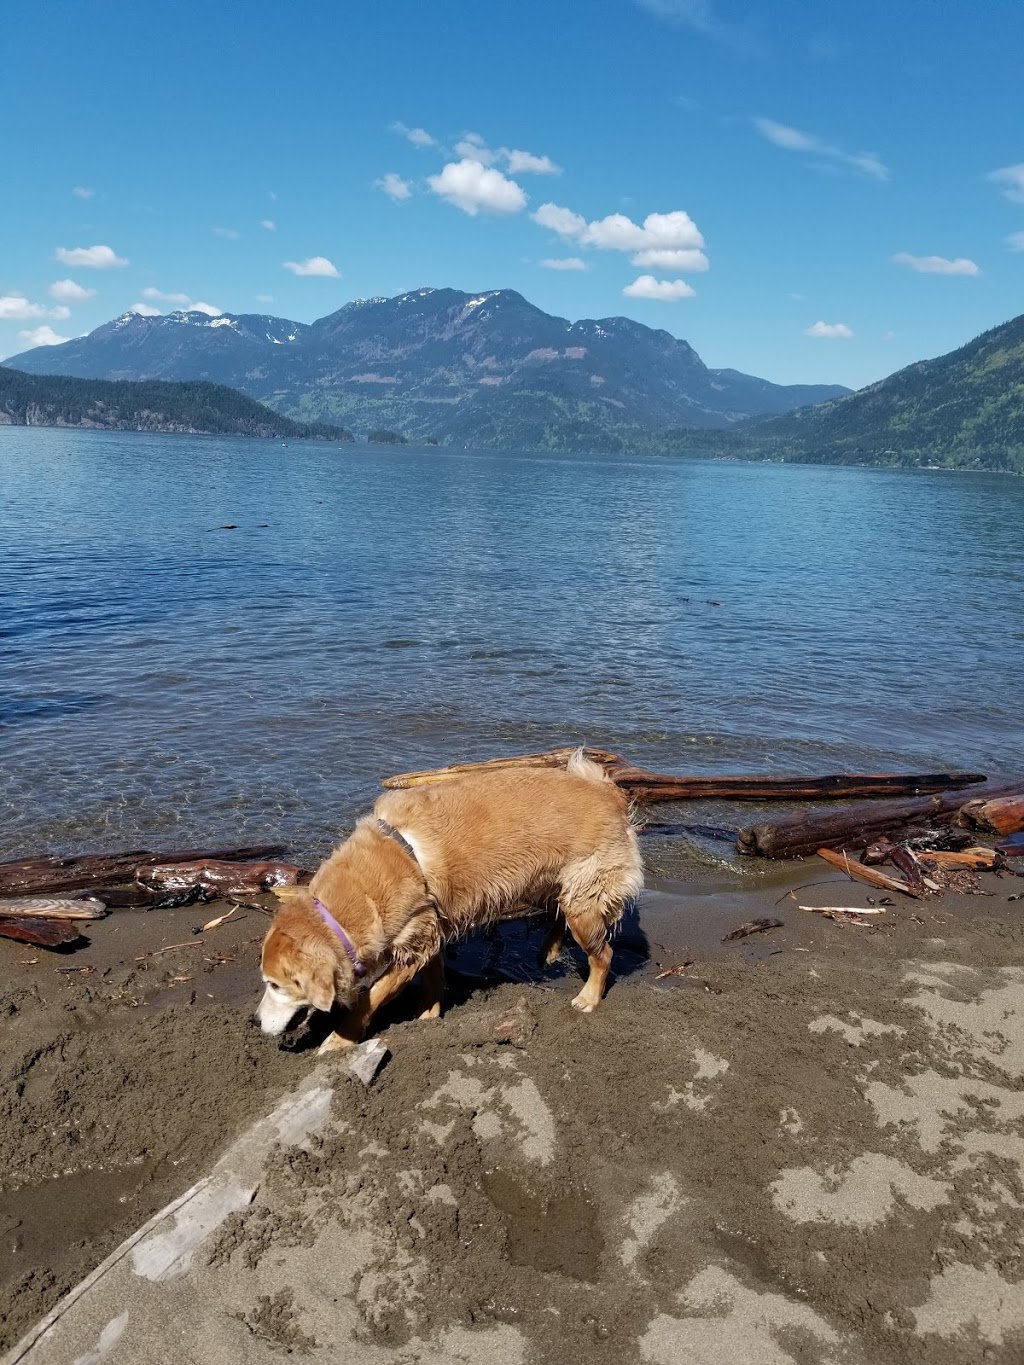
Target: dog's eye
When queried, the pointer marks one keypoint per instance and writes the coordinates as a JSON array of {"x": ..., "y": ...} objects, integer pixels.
[{"x": 273, "y": 985}]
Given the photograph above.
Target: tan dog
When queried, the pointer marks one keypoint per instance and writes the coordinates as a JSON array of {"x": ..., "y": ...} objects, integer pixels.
[{"x": 435, "y": 862}]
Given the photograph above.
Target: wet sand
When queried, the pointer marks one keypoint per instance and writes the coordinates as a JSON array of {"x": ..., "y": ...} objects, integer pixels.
[{"x": 809, "y": 1140}]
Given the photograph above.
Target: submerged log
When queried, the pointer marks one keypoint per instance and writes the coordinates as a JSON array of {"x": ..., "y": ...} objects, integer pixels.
[
  {"x": 237, "y": 879},
  {"x": 26, "y": 876},
  {"x": 41, "y": 933},
  {"x": 1003, "y": 815},
  {"x": 793, "y": 836},
  {"x": 550, "y": 758},
  {"x": 871, "y": 875}
]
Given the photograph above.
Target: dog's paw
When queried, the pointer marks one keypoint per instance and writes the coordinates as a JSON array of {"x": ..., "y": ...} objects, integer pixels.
[
  {"x": 583, "y": 1004},
  {"x": 334, "y": 1042},
  {"x": 434, "y": 1012}
]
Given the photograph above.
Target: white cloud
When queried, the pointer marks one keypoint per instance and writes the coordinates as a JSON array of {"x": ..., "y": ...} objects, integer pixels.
[
  {"x": 564, "y": 263},
  {"x": 83, "y": 191},
  {"x": 1011, "y": 178},
  {"x": 269, "y": 224},
  {"x": 313, "y": 265},
  {"x": 1015, "y": 241},
  {"x": 664, "y": 241},
  {"x": 91, "y": 257},
  {"x": 419, "y": 137},
  {"x": 230, "y": 234},
  {"x": 67, "y": 291},
  {"x": 937, "y": 265},
  {"x": 473, "y": 146},
  {"x": 525, "y": 163},
  {"x": 699, "y": 16},
  {"x": 264, "y": 298},
  {"x": 472, "y": 186},
  {"x": 42, "y": 336},
  {"x": 832, "y": 330},
  {"x": 183, "y": 301},
  {"x": 666, "y": 291},
  {"x": 17, "y": 308},
  {"x": 794, "y": 140},
  {"x": 145, "y": 310},
  {"x": 393, "y": 186}
]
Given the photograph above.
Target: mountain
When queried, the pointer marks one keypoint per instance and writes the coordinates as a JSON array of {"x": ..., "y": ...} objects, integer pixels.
[
  {"x": 964, "y": 410},
  {"x": 147, "y": 405},
  {"x": 487, "y": 369}
]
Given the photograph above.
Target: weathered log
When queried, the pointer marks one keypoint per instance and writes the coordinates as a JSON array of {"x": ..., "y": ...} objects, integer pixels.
[
  {"x": 871, "y": 875},
  {"x": 50, "y": 907},
  {"x": 41, "y": 933},
  {"x": 550, "y": 758},
  {"x": 647, "y": 787},
  {"x": 853, "y": 827},
  {"x": 1003, "y": 815},
  {"x": 238, "y": 879},
  {"x": 27, "y": 876},
  {"x": 976, "y": 858}
]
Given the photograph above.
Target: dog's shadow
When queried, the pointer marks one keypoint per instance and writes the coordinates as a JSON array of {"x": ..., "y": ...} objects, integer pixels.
[{"x": 508, "y": 951}]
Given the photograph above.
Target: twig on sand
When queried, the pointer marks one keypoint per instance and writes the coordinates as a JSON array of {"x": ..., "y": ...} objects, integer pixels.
[{"x": 753, "y": 926}]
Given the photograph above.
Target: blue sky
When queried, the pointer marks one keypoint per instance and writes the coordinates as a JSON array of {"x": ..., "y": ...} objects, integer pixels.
[{"x": 806, "y": 191}]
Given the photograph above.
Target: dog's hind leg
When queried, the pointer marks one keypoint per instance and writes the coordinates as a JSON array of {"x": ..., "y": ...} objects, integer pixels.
[
  {"x": 587, "y": 919},
  {"x": 432, "y": 981},
  {"x": 554, "y": 942}
]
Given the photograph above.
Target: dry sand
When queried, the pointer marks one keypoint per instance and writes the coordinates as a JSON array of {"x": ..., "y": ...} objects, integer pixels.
[{"x": 810, "y": 1155}]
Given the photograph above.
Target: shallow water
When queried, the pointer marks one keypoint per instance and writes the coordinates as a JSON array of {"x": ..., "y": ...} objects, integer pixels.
[{"x": 165, "y": 681}]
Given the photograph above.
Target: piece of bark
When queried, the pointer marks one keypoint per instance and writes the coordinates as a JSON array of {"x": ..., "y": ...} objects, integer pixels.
[
  {"x": 27, "y": 876},
  {"x": 975, "y": 858},
  {"x": 752, "y": 926},
  {"x": 239, "y": 879},
  {"x": 879, "y": 851},
  {"x": 648, "y": 787},
  {"x": 1001, "y": 815},
  {"x": 853, "y": 827},
  {"x": 550, "y": 758},
  {"x": 870, "y": 875},
  {"x": 905, "y": 860},
  {"x": 51, "y": 907},
  {"x": 41, "y": 933}
]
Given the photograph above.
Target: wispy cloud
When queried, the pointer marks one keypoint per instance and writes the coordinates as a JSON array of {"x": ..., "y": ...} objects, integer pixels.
[
  {"x": 91, "y": 257},
  {"x": 473, "y": 187},
  {"x": 1011, "y": 179},
  {"x": 394, "y": 187},
  {"x": 795, "y": 140},
  {"x": 268, "y": 224},
  {"x": 419, "y": 137},
  {"x": 516, "y": 161},
  {"x": 664, "y": 241},
  {"x": 664, "y": 291},
  {"x": 83, "y": 191},
  {"x": 17, "y": 308},
  {"x": 264, "y": 298},
  {"x": 183, "y": 301},
  {"x": 829, "y": 330},
  {"x": 67, "y": 291},
  {"x": 42, "y": 336},
  {"x": 313, "y": 265},
  {"x": 145, "y": 310},
  {"x": 564, "y": 263},
  {"x": 701, "y": 17},
  {"x": 229, "y": 234},
  {"x": 937, "y": 265},
  {"x": 1015, "y": 241}
]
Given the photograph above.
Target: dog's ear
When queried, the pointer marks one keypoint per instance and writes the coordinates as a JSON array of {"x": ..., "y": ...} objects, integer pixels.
[{"x": 321, "y": 984}]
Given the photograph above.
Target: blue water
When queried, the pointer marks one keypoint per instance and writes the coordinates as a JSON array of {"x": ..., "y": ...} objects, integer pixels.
[{"x": 162, "y": 680}]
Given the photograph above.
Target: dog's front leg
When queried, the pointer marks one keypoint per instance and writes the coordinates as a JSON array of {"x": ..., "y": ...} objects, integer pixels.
[
  {"x": 432, "y": 979},
  {"x": 369, "y": 1002}
]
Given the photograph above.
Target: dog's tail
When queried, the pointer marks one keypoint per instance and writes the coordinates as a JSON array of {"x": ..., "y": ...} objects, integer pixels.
[{"x": 582, "y": 766}]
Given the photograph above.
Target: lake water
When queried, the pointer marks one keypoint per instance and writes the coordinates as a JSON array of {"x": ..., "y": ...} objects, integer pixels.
[{"x": 163, "y": 681}]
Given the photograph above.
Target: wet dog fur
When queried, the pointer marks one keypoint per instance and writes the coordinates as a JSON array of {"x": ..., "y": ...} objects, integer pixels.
[{"x": 487, "y": 846}]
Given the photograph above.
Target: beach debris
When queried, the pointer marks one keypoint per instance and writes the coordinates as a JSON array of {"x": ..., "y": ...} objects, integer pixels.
[
  {"x": 678, "y": 970},
  {"x": 844, "y": 909},
  {"x": 840, "y": 914},
  {"x": 220, "y": 919},
  {"x": 870, "y": 875},
  {"x": 30, "y": 876},
  {"x": 975, "y": 858},
  {"x": 852, "y": 827},
  {"x": 366, "y": 1060},
  {"x": 52, "y": 907},
  {"x": 753, "y": 926},
  {"x": 515, "y": 1026},
  {"x": 905, "y": 860},
  {"x": 1000, "y": 815},
  {"x": 41, "y": 933},
  {"x": 216, "y": 877},
  {"x": 1012, "y": 847}
]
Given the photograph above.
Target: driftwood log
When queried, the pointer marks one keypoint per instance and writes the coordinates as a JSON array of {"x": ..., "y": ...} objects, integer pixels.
[
  {"x": 226, "y": 878},
  {"x": 41, "y": 933},
  {"x": 52, "y": 907},
  {"x": 28, "y": 876},
  {"x": 1002, "y": 815},
  {"x": 793, "y": 836}
]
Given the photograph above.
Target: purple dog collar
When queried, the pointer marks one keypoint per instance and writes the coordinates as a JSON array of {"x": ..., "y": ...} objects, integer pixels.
[{"x": 346, "y": 942}]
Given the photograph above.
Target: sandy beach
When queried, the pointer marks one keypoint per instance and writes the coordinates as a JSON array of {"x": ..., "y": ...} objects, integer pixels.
[{"x": 806, "y": 1145}]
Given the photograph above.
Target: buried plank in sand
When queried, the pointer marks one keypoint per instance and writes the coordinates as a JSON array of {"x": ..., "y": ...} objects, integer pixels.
[{"x": 434, "y": 863}]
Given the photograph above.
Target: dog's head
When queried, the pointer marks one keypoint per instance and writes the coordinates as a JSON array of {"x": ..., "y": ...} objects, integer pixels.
[{"x": 300, "y": 971}]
